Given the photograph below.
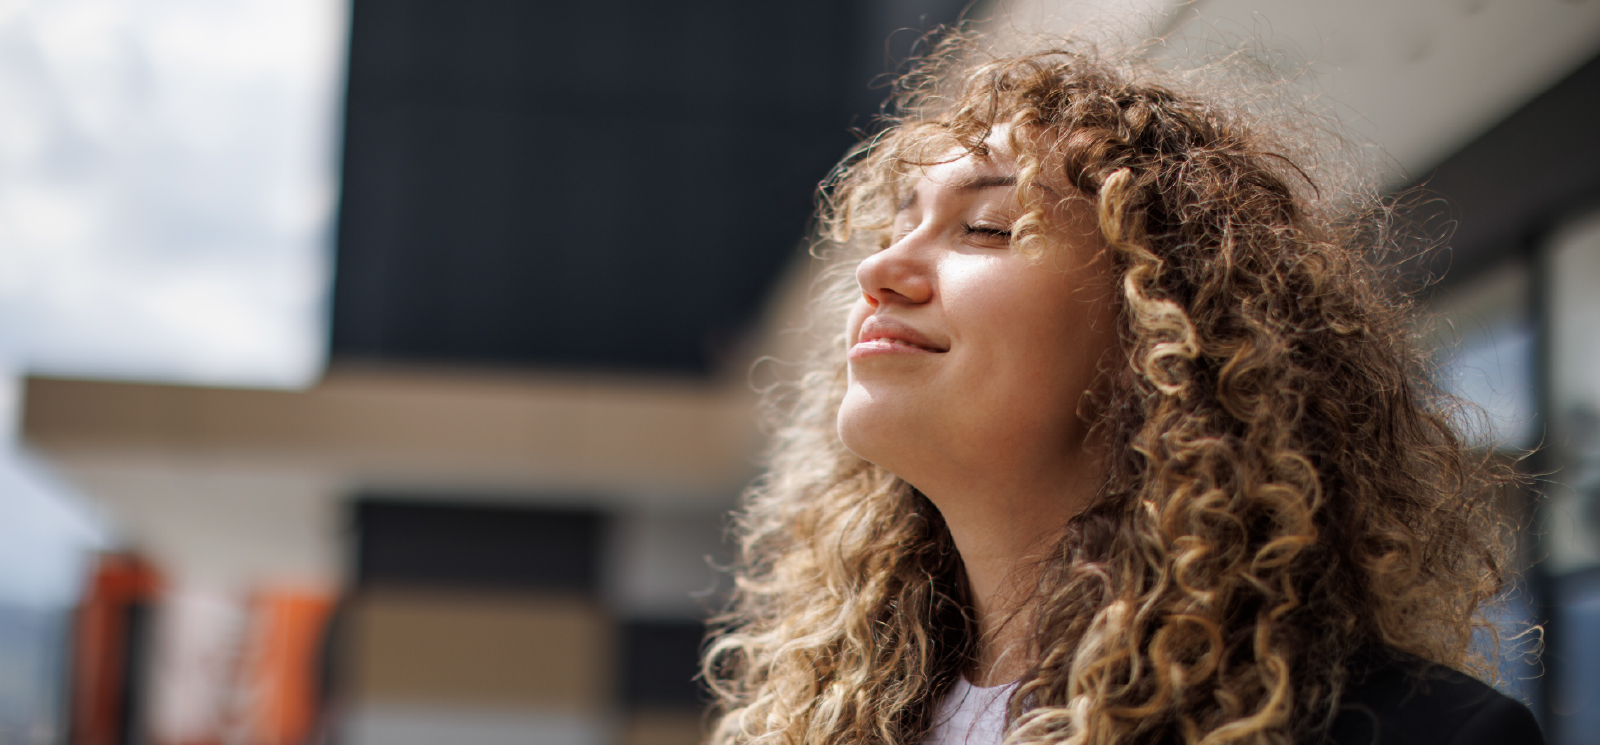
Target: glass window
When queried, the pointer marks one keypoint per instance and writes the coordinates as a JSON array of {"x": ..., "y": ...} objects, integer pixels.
[
  {"x": 1484, "y": 339},
  {"x": 1572, "y": 509}
]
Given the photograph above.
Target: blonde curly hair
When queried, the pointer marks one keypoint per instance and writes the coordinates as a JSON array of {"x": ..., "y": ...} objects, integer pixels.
[{"x": 1284, "y": 487}]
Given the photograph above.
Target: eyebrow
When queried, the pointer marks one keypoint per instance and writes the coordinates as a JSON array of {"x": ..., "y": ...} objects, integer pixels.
[
  {"x": 973, "y": 184},
  {"x": 986, "y": 182}
]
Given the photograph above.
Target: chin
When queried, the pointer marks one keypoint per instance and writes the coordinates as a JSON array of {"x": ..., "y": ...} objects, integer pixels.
[
  {"x": 858, "y": 426},
  {"x": 873, "y": 432}
]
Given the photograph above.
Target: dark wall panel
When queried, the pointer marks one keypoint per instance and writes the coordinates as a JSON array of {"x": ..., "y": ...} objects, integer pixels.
[
  {"x": 661, "y": 664},
  {"x": 609, "y": 184},
  {"x": 409, "y": 543}
]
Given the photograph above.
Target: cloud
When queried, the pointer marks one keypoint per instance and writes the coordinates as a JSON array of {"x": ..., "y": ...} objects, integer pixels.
[{"x": 167, "y": 187}]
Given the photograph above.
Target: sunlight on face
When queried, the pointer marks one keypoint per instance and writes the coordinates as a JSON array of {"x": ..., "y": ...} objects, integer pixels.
[{"x": 965, "y": 355}]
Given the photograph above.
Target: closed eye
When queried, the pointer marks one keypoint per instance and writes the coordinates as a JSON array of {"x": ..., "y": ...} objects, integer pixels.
[{"x": 988, "y": 232}]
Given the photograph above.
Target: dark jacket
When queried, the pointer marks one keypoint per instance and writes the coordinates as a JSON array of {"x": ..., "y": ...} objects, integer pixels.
[{"x": 1402, "y": 701}]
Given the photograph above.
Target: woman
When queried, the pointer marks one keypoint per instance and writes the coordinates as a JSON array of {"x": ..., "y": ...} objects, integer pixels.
[{"x": 1124, "y": 442}]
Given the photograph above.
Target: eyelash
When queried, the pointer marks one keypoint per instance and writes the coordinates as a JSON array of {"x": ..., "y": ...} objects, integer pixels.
[
  {"x": 986, "y": 231},
  {"x": 966, "y": 228}
]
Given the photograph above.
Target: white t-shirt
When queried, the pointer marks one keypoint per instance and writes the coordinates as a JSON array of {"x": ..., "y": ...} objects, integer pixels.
[{"x": 971, "y": 715}]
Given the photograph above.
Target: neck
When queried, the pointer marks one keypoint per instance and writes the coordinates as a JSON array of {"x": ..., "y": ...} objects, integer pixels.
[
  {"x": 1001, "y": 587},
  {"x": 1005, "y": 536}
]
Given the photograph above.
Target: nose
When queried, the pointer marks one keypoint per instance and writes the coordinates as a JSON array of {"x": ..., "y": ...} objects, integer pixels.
[{"x": 899, "y": 274}]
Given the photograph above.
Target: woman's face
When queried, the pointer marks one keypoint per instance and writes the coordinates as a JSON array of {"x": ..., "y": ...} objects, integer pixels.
[{"x": 968, "y": 359}]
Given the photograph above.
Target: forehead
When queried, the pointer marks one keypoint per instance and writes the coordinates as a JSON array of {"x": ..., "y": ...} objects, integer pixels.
[
  {"x": 967, "y": 175},
  {"x": 958, "y": 164},
  {"x": 963, "y": 172}
]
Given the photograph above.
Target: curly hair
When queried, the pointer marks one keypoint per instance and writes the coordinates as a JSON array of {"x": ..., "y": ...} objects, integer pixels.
[{"x": 1284, "y": 487}]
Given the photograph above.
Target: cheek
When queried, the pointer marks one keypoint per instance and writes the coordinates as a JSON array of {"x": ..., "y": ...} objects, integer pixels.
[
  {"x": 1050, "y": 329},
  {"x": 1016, "y": 309}
]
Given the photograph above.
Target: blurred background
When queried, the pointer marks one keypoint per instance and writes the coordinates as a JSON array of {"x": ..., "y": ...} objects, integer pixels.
[{"x": 378, "y": 372}]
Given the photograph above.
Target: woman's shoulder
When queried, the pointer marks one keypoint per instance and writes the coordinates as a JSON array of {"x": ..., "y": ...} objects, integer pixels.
[{"x": 1400, "y": 700}]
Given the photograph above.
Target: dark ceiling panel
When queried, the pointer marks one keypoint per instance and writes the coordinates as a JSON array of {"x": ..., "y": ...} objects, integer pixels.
[
  {"x": 608, "y": 184},
  {"x": 1517, "y": 179}
]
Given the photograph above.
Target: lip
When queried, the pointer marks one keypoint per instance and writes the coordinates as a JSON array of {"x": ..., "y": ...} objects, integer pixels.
[{"x": 880, "y": 335}]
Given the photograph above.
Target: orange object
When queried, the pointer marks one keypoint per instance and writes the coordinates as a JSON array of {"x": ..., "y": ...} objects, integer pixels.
[
  {"x": 110, "y": 639},
  {"x": 282, "y": 665}
]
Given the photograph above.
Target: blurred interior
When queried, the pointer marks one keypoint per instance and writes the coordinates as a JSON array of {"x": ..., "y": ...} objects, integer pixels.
[{"x": 380, "y": 372}]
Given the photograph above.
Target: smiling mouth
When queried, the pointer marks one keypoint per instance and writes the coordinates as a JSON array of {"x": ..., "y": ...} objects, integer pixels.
[{"x": 880, "y": 335}]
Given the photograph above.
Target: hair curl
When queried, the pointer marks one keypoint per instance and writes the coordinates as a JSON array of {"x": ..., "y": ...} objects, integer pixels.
[{"x": 1284, "y": 487}]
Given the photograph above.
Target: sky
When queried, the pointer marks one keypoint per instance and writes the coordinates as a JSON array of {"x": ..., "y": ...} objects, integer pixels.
[{"x": 168, "y": 183}]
